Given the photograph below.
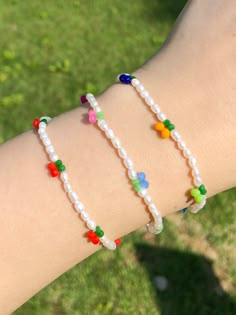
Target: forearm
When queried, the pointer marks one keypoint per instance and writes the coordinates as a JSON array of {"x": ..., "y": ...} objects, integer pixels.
[{"x": 42, "y": 236}]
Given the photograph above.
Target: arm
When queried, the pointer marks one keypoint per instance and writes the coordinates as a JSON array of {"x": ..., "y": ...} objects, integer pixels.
[{"x": 41, "y": 236}]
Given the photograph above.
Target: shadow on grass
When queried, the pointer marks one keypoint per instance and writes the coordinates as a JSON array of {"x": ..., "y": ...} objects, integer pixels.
[{"x": 192, "y": 288}]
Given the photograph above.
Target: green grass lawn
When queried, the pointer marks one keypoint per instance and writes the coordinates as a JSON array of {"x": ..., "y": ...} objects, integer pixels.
[{"x": 50, "y": 53}]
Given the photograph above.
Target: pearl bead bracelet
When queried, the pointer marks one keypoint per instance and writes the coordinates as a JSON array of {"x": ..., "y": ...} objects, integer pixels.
[
  {"x": 57, "y": 168},
  {"x": 138, "y": 180},
  {"x": 167, "y": 130}
]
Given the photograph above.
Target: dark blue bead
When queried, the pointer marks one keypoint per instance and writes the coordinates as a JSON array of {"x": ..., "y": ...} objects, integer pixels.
[
  {"x": 125, "y": 78},
  {"x": 183, "y": 210},
  {"x": 141, "y": 176}
]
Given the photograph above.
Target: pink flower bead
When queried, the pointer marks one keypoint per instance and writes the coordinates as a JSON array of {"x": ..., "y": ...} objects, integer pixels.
[{"x": 92, "y": 116}]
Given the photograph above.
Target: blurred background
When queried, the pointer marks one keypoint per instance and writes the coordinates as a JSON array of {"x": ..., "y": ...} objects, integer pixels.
[{"x": 51, "y": 52}]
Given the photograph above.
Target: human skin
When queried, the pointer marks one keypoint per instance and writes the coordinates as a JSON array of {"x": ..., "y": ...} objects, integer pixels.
[{"x": 192, "y": 78}]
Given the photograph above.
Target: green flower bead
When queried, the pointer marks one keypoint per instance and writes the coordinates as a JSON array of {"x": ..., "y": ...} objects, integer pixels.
[
  {"x": 166, "y": 123},
  {"x": 195, "y": 192},
  {"x": 44, "y": 120},
  {"x": 61, "y": 168},
  {"x": 58, "y": 163},
  {"x": 171, "y": 127},
  {"x": 202, "y": 189},
  {"x": 199, "y": 198},
  {"x": 135, "y": 181},
  {"x": 100, "y": 115},
  {"x": 137, "y": 187},
  {"x": 99, "y": 232}
]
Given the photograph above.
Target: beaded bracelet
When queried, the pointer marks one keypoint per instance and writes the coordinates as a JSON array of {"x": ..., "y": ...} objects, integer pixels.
[
  {"x": 56, "y": 168},
  {"x": 138, "y": 180},
  {"x": 167, "y": 130}
]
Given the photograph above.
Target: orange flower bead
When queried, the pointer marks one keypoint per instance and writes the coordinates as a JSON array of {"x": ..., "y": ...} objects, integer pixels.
[
  {"x": 165, "y": 133},
  {"x": 159, "y": 126}
]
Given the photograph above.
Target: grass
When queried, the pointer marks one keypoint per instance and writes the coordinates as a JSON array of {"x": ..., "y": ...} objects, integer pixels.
[{"x": 50, "y": 53}]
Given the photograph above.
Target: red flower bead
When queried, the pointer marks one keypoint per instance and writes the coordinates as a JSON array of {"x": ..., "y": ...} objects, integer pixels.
[
  {"x": 91, "y": 235},
  {"x": 95, "y": 240},
  {"x": 118, "y": 241},
  {"x": 54, "y": 172},
  {"x": 36, "y": 123},
  {"x": 52, "y": 166}
]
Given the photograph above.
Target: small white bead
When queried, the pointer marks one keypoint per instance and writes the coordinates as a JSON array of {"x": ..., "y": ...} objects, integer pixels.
[
  {"x": 135, "y": 82},
  {"x": 79, "y": 206},
  {"x": 73, "y": 196},
  {"x": 153, "y": 229},
  {"x": 43, "y": 125},
  {"x": 109, "y": 133},
  {"x": 89, "y": 96},
  {"x": 187, "y": 153},
  {"x": 94, "y": 104},
  {"x": 140, "y": 87},
  {"x": 84, "y": 216},
  {"x": 97, "y": 109},
  {"x": 67, "y": 187},
  {"x": 42, "y": 131},
  {"x": 149, "y": 100},
  {"x": 64, "y": 176},
  {"x": 156, "y": 109},
  {"x": 128, "y": 162},
  {"x": 91, "y": 224},
  {"x": 122, "y": 153},
  {"x": 197, "y": 181},
  {"x": 161, "y": 116},
  {"x": 142, "y": 193},
  {"x": 111, "y": 245},
  {"x": 132, "y": 174},
  {"x": 102, "y": 125},
  {"x": 116, "y": 142},
  {"x": 195, "y": 171},
  {"x": 175, "y": 135},
  {"x": 148, "y": 199},
  {"x": 53, "y": 157},
  {"x": 181, "y": 144},
  {"x": 152, "y": 207},
  {"x": 43, "y": 135},
  {"x": 192, "y": 161},
  {"x": 50, "y": 149},
  {"x": 144, "y": 94},
  {"x": 46, "y": 141}
]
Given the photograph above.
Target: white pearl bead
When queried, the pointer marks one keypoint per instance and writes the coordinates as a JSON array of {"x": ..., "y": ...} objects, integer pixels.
[
  {"x": 53, "y": 157},
  {"x": 89, "y": 96},
  {"x": 181, "y": 144},
  {"x": 156, "y": 109},
  {"x": 42, "y": 124},
  {"x": 148, "y": 199},
  {"x": 132, "y": 174},
  {"x": 46, "y": 141},
  {"x": 102, "y": 125},
  {"x": 122, "y": 153},
  {"x": 97, "y": 109},
  {"x": 175, "y": 135},
  {"x": 192, "y": 161},
  {"x": 67, "y": 187},
  {"x": 144, "y": 94},
  {"x": 195, "y": 171},
  {"x": 149, "y": 100},
  {"x": 116, "y": 142},
  {"x": 153, "y": 229},
  {"x": 79, "y": 206},
  {"x": 197, "y": 181},
  {"x": 135, "y": 82},
  {"x": 152, "y": 207},
  {"x": 128, "y": 162},
  {"x": 109, "y": 133},
  {"x": 49, "y": 148},
  {"x": 84, "y": 216},
  {"x": 142, "y": 193},
  {"x": 64, "y": 176},
  {"x": 94, "y": 104},
  {"x": 42, "y": 131},
  {"x": 111, "y": 245},
  {"x": 73, "y": 196},
  {"x": 187, "y": 153},
  {"x": 140, "y": 87},
  {"x": 91, "y": 224},
  {"x": 161, "y": 116},
  {"x": 43, "y": 135}
]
